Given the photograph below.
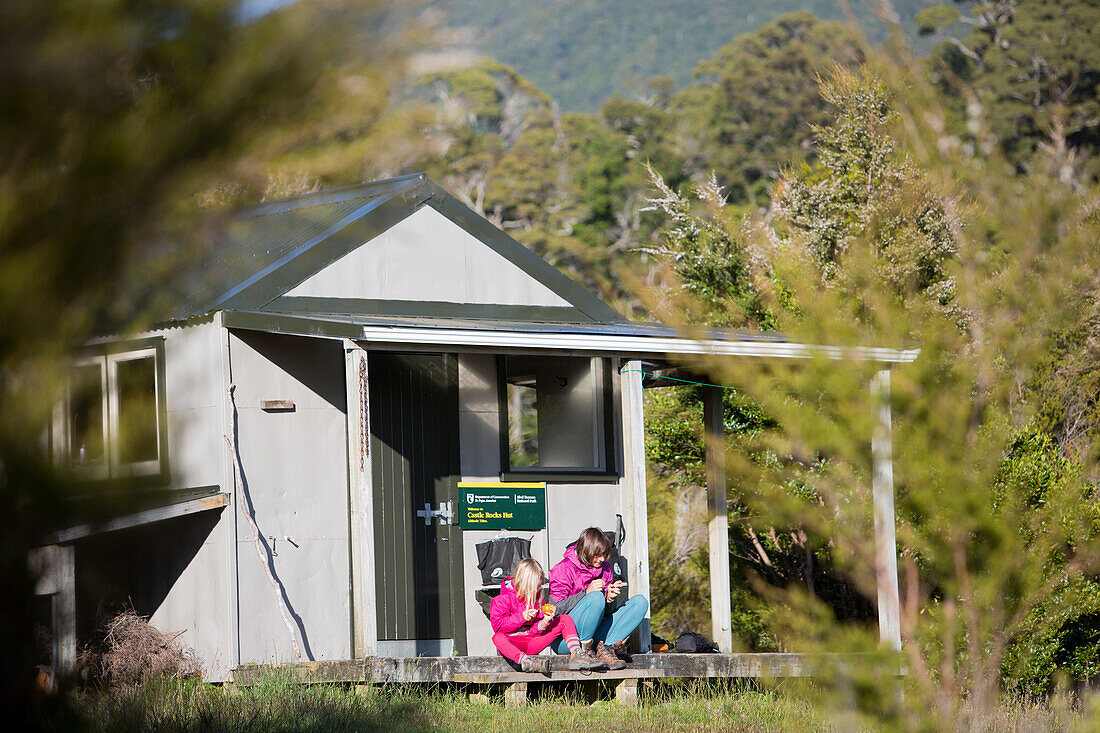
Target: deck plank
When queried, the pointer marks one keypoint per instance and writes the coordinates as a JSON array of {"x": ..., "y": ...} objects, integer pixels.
[{"x": 495, "y": 670}]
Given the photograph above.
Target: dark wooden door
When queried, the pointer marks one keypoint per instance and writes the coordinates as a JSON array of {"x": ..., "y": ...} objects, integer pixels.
[{"x": 418, "y": 547}]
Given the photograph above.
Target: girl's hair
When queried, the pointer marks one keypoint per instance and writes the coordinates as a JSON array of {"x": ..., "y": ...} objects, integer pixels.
[
  {"x": 591, "y": 543},
  {"x": 527, "y": 581}
]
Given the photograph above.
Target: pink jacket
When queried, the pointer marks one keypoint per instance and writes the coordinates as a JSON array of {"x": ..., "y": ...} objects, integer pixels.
[
  {"x": 506, "y": 611},
  {"x": 572, "y": 576}
]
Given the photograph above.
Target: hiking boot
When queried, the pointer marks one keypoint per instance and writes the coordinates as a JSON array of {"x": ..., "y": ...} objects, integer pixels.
[
  {"x": 605, "y": 655},
  {"x": 584, "y": 660},
  {"x": 539, "y": 665},
  {"x": 621, "y": 649}
]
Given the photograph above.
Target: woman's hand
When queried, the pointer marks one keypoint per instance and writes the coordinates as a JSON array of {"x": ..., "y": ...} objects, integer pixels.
[
  {"x": 529, "y": 613},
  {"x": 596, "y": 584},
  {"x": 614, "y": 590}
]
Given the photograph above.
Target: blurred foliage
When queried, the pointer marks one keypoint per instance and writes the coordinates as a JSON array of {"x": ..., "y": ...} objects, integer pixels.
[
  {"x": 118, "y": 120},
  {"x": 996, "y": 520}
]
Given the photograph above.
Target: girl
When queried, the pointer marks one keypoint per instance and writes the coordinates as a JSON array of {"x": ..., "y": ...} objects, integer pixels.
[
  {"x": 523, "y": 627},
  {"x": 581, "y": 586}
]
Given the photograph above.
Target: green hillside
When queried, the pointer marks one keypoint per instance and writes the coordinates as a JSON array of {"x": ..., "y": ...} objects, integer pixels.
[{"x": 583, "y": 51}]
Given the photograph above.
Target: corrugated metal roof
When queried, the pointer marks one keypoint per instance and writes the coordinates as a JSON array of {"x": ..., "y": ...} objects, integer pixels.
[{"x": 262, "y": 238}]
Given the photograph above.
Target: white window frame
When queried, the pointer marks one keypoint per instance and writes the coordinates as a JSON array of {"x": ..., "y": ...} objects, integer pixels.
[
  {"x": 112, "y": 466},
  {"x": 604, "y": 451},
  {"x": 102, "y": 470}
]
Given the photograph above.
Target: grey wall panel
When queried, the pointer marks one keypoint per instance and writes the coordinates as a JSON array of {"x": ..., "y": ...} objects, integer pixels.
[
  {"x": 193, "y": 387},
  {"x": 317, "y": 605},
  {"x": 295, "y": 466},
  {"x": 571, "y": 508},
  {"x": 427, "y": 257},
  {"x": 171, "y": 571},
  {"x": 480, "y": 445},
  {"x": 196, "y": 604},
  {"x": 478, "y": 417}
]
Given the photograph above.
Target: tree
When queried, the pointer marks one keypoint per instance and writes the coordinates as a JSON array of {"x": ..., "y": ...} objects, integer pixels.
[
  {"x": 757, "y": 114},
  {"x": 1035, "y": 67},
  {"x": 863, "y": 189}
]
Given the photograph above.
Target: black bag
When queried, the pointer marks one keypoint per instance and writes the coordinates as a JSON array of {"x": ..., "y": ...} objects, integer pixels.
[
  {"x": 619, "y": 564},
  {"x": 497, "y": 559},
  {"x": 691, "y": 643}
]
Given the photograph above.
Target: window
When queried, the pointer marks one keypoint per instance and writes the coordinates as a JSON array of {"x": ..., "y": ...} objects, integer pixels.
[
  {"x": 556, "y": 416},
  {"x": 113, "y": 420}
]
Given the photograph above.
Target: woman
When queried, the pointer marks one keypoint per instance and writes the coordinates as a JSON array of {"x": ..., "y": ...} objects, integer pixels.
[{"x": 581, "y": 586}]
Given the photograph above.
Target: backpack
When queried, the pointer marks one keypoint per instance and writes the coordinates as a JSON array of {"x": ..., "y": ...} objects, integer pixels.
[
  {"x": 497, "y": 559},
  {"x": 691, "y": 643},
  {"x": 619, "y": 564}
]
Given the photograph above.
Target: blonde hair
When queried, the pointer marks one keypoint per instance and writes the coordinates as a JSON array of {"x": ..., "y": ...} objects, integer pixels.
[{"x": 528, "y": 580}]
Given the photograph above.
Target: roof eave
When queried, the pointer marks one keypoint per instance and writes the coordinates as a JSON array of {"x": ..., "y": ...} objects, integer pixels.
[{"x": 559, "y": 338}]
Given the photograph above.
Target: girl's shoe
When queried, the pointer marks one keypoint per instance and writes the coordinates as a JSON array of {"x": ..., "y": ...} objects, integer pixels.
[
  {"x": 584, "y": 660},
  {"x": 539, "y": 665},
  {"x": 608, "y": 657}
]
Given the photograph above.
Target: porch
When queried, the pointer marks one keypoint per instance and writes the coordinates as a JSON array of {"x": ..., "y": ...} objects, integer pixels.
[{"x": 481, "y": 675}]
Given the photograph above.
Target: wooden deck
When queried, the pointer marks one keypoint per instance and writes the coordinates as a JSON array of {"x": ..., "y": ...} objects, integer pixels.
[{"x": 495, "y": 670}]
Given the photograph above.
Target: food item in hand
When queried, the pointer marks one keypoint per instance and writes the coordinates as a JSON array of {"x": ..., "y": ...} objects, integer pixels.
[{"x": 548, "y": 609}]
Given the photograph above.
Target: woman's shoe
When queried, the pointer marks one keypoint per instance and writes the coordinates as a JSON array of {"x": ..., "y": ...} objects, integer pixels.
[
  {"x": 608, "y": 657},
  {"x": 621, "y": 649},
  {"x": 538, "y": 665}
]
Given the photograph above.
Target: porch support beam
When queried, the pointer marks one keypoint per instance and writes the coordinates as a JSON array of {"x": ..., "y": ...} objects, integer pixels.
[
  {"x": 886, "y": 551},
  {"x": 718, "y": 521},
  {"x": 634, "y": 490},
  {"x": 364, "y": 618}
]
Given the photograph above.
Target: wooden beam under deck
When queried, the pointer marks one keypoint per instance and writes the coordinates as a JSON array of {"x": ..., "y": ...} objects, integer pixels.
[{"x": 495, "y": 670}]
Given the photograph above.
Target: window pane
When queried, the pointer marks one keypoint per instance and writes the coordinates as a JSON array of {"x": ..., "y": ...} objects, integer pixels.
[
  {"x": 555, "y": 413},
  {"x": 523, "y": 428},
  {"x": 137, "y": 410},
  {"x": 86, "y": 444}
]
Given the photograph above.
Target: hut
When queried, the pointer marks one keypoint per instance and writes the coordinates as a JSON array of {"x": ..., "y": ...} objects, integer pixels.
[{"x": 356, "y": 389}]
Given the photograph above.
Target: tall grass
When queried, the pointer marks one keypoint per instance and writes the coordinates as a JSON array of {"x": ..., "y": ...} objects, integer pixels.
[{"x": 277, "y": 703}]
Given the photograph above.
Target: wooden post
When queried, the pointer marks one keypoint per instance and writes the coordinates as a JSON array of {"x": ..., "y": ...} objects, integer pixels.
[
  {"x": 634, "y": 490},
  {"x": 54, "y": 569},
  {"x": 364, "y": 617},
  {"x": 886, "y": 551},
  {"x": 718, "y": 522},
  {"x": 515, "y": 695},
  {"x": 626, "y": 692}
]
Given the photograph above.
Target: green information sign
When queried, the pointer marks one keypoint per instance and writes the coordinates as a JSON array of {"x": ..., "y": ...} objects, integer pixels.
[{"x": 501, "y": 506}]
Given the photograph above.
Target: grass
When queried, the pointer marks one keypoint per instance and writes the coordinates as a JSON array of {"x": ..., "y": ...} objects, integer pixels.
[{"x": 279, "y": 704}]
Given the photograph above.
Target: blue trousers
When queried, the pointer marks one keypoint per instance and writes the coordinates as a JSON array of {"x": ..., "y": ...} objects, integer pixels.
[{"x": 592, "y": 624}]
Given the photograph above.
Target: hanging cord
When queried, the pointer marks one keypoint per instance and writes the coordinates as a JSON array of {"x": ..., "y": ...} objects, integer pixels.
[
  {"x": 624, "y": 370},
  {"x": 238, "y": 482},
  {"x": 677, "y": 379}
]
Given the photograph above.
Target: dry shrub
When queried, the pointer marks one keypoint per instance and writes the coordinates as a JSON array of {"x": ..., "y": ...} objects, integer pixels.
[{"x": 133, "y": 651}]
